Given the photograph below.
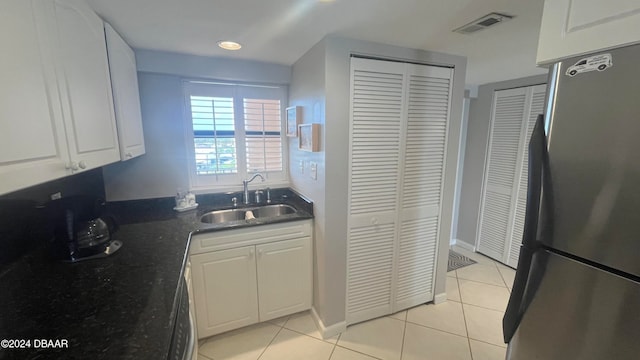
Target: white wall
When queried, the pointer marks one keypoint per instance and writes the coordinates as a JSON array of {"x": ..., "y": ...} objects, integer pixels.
[
  {"x": 212, "y": 68},
  {"x": 331, "y": 232},
  {"x": 307, "y": 90},
  {"x": 460, "y": 170},
  {"x": 475, "y": 154},
  {"x": 163, "y": 169}
]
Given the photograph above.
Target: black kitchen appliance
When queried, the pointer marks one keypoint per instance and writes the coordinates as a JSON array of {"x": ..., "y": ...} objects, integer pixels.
[{"x": 81, "y": 230}]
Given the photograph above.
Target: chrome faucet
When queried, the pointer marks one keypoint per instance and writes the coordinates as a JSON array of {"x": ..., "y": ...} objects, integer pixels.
[{"x": 245, "y": 184}]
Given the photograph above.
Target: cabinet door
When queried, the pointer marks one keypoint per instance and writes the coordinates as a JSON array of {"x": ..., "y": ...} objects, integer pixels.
[
  {"x": 32, "y": 139},
  {"x": 126, "y": 97},
  {"x": 575, "y": 27},
  {"x": 225, "y": 290},
  {"x": 422, "y": 169},
  {"x": 83, "y": 74},
  {"x": 284, "y": 277}
]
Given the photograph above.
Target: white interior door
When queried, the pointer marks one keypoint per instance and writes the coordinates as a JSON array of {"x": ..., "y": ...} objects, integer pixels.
[
  {"x": 399, "y": 126},
  {"x": 425, "y": 142},
  {"x": 537, "y": 94},
  {"x": 377, "y": 110},
  {"x": 504, "y": 195},
  {"x": 499, "y": 190}
]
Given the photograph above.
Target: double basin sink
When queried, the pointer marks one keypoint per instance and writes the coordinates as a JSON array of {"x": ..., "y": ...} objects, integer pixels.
[{"x": 259, "y": 212}]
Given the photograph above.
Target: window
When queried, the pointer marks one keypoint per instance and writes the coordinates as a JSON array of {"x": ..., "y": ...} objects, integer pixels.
[{"x": 234, "y": 131}]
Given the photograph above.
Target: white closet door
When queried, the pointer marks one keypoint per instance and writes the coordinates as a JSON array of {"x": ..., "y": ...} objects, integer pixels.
[
  {"x": 537, "y": 94},
  {"x": 426, "y": 129},
  {"x": 509, "y": 111},
  {"x": 377, "y": 110}
]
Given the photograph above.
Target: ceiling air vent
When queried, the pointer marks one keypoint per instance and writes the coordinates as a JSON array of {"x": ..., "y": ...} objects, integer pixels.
[{"x": 483, "y": 23}]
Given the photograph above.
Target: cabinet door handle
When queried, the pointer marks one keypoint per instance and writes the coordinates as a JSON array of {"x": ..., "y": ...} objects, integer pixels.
[
  {"x": 374, "y": 221},
  {"x": 128, "y": 155},
  {"x": 260, "y": 253},
  {"x": 251, "y": 252},
  {"x": 73, "y": 166},
  {"x": 82, "y": 165}
]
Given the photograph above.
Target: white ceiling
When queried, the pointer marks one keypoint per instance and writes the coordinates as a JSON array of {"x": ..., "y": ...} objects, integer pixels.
[{"x": 281, "y": 31}]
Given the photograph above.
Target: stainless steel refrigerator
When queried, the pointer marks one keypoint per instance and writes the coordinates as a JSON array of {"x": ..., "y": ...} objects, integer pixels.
[{"x": 576, "y": 293}]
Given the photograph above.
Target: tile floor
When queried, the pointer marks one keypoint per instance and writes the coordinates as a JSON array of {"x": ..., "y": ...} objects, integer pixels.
[{"x": 467, "y": 327}]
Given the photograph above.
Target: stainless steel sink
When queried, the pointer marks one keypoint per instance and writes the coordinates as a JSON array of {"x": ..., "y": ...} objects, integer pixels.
[
  {"x": 268, "y": 211},
  {"x": 273, "y": 211},
  {"x": 223, "y": 216}
]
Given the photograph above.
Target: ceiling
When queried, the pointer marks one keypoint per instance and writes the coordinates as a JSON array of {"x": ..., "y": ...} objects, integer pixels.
[{"x": 281, "y": 31}]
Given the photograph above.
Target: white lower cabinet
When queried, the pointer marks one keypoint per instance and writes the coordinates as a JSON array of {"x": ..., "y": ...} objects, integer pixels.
[
  {"x": 265, "y": 273},
  {"x": 225, "y": 290},
  {"x": 284, "y": 277}
]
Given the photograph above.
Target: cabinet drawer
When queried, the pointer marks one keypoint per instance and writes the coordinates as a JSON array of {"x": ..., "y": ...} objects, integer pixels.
[{"x": 254, "y": 235}]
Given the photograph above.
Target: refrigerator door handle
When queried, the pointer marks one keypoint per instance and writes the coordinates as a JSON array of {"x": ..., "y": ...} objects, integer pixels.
[{"x": 537, "y": 158}]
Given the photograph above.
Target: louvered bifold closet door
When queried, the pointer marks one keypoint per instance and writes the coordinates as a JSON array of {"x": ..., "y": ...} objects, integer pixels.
[
  {"x": 421, "y": 183},
  {"x": 537, "y": 96},
  {"x": 500, "y": 172},
  {"x": 377, "y": 109}
]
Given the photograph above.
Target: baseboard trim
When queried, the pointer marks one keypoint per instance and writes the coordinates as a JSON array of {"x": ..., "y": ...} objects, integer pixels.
[
  {"x": 440, "y": 298},
  {"x": 464, "y": 245},
  {"x": 328, "y": 331}
]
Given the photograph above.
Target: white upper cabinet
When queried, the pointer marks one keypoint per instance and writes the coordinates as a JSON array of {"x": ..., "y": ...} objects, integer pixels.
[
  {"x": 575, "y": 27},
  {"x": 124, "y": 83},
  {"x": 56, "y": 105},
  {"x": 83, "y": 77},
  {"x": 32, "y": 140}
]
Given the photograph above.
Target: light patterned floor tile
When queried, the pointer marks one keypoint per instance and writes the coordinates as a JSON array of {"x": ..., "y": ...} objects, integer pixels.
[
  {"x": 243, "y": 344},
  {"x": 303, "y": 323},
  {"x": 346, "y": 354},
  {"x": 453, "y": 292},
  {"x": 446, "y": 316},
  {"x": 381, "y": 338},
  {"x": 289, "y": 345},
  {"x": 279, "y": 321},
  {"x": 484, "y": 351},
  {"x": 421, "y": 343},
  {"x": 480, "y": 273},
  {"x": 484, "y": 295},
  {"x": 484, "y": 324},
  {"x": 508, "y": 274},
  {"x": 384, "y": 338},
  {"x": 402, "y": 315}
]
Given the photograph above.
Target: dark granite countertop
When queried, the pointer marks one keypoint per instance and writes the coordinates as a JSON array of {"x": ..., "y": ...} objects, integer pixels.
[{"x": 119, "y": 307}]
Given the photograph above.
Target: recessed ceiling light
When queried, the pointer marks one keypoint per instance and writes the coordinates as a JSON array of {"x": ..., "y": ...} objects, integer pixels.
[{"x": 229, "y": 45}]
